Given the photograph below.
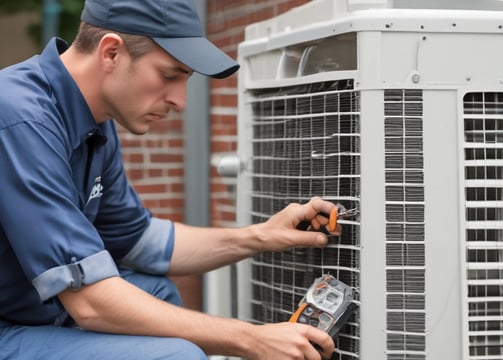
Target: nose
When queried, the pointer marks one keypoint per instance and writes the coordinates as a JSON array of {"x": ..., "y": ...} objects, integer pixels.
[{"x": 176, "y": 96}]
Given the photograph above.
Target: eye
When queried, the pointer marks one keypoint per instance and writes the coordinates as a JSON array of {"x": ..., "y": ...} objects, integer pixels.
[{"x": 170, "y": 77}]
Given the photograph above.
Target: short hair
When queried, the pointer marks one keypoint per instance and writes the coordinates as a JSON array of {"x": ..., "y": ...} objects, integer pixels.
[{"x": 89, "y": 36}]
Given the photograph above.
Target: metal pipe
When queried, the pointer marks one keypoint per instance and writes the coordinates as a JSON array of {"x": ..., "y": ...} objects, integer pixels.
[
  {"x": 197, "y": 148},
  {"x": 50, "y": 19}
]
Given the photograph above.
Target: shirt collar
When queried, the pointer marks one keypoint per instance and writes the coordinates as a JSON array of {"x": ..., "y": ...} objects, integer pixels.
[{"x": 74, "y": 109}]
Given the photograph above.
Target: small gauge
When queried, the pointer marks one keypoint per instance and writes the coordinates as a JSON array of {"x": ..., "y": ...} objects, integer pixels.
[{"x": 327, "y": 305}]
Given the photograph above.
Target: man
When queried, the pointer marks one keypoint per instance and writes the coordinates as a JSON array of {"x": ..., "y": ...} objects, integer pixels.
[{"x": 82, "y": 264}]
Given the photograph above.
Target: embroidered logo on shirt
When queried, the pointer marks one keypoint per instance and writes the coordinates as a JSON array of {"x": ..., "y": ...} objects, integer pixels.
[{"x": 97, "y": 190}]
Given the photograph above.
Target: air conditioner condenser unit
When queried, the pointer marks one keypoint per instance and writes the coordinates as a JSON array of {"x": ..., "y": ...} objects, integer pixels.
[{"x": 397, "y": 112}]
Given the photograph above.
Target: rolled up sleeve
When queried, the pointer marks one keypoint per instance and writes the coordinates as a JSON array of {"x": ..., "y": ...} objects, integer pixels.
[
  {"x": 152, "y": 253},
  {"x": 75, "y": 275}
]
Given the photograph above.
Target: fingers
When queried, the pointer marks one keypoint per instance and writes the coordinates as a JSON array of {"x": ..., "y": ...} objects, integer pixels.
[
  {"x": 322, "y": 214},
  {"x": 337, "y": 231},
  {"x": 316, "y": 223},
  {"x": 317, "y": 205},
  {"x": 322, "y": 343},
  {"x": 313, "y": 210},
  {"x": 312, "y": 352},
  {"x": 311, "y": 239},
  {"x": 327, "y": 220}
]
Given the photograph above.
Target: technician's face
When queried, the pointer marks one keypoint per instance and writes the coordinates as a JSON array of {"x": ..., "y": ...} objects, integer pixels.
[{"x": 141, "y": 92}]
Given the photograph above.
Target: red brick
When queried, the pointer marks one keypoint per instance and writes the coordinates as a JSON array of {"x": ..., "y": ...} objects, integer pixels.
[
  {"x": 135, "y": 174},
  {"x": 177, "y": 188},
  {"x": 175, "y": 172},
  {"x": 168, "y": 203},
  {"x": 166, "y": 158},
  {"x": 218, "y": 187},
  {"x": 130, "y": 142},
  {"x": 223, "y": 146},
  {"x": 155, "y": 173},
  {"x": 150, "y": 188},
  {"x": 134, "y": 158}
]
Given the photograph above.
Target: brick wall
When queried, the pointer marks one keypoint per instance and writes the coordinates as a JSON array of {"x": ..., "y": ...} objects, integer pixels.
[{"x": 154, "y": 162}]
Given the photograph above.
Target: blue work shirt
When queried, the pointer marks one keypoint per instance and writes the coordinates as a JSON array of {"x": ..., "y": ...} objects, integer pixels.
[{"x": 68, "y": 216}]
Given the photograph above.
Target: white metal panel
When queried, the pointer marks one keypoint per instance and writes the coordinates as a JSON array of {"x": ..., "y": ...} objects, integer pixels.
[
  {"x": 373, "y": 253},
  {"x": 443, "y": 228},
  {"x": 373, "y": 233}
]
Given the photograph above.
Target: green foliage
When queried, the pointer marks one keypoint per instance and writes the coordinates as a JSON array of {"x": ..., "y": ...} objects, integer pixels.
[
  {"x": 69, "y": 16},
  {"x": 20, "y": 5}
]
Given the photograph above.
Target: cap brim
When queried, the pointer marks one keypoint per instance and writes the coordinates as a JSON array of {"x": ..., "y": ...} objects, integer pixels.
[{"x": 200, "y": 55}]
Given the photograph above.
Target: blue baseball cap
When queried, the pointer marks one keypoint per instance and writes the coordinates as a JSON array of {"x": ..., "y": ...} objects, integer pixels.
[{"x": 173, "y": 24}]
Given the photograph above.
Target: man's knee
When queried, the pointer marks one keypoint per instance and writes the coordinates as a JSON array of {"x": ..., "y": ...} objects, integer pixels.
[
  {"x": 168, "y": 291},
  {"x": 170, "y": 349},
  {"x": 159, "y": 286},
  {"x": 164, "y": 348}
]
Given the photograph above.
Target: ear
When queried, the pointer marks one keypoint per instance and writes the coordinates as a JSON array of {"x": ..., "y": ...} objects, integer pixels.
[{"x": 110, "y": 49}]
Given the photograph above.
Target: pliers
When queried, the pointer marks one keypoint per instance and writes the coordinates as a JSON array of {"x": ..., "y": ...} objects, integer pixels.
[{"x": 337, "y": 212}]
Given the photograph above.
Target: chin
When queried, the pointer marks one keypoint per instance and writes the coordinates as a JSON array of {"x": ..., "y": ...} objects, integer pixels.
[{"x": 138, "y": 131}]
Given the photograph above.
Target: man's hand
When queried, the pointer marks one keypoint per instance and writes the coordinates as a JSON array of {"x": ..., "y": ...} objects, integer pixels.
[
  {"x": 290, "y": 341},
  {"x": 115, "y": 306},
  {"x": 280, "y": 231},
  {"x": 198, "y": 249}
]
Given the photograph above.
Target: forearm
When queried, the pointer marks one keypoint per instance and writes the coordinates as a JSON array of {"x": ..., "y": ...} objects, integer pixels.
[
  {"x": 198, "y": 250},
  {"x": 115, "y": 306}
]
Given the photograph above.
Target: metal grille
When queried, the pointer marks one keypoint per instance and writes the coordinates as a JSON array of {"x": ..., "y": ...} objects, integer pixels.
[
  {"x": 405, "y": 234},
  {"x": 483, "y": 130},
  {"x": 306, "y": 142}
]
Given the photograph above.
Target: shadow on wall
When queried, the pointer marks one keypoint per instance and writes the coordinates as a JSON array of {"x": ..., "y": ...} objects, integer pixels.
[{"x": 15, "y": 45}]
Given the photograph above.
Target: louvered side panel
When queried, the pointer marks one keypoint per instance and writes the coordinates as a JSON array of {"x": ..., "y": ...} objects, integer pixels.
[
  {"x": 405, "y": 233},
  {"x": 483, "y": 160}
]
